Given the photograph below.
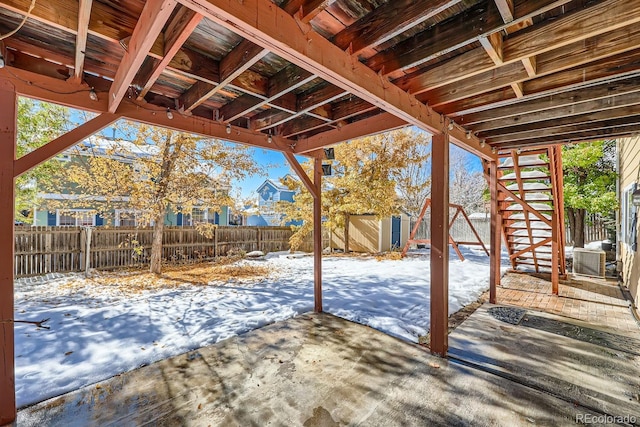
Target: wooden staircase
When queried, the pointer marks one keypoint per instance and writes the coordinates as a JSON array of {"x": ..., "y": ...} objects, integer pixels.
[{"x": 530, "y": 203}]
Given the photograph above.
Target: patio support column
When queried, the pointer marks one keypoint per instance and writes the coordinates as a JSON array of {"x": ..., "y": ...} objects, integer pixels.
[
  {"x": 439, "y": 244},
  {"x": 8, "y": 124},
  {"x": 496, "y": 229},
  {"x": 317, "y": 235}
]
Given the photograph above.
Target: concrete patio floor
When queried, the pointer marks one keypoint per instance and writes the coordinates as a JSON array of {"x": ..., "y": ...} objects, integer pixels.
[{"x": 320, "y": 370}]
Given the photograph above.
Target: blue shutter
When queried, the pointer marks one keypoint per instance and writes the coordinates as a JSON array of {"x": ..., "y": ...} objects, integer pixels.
[
  {"x": 99, "y": 220},
  {"x": 51, "y": 218},
  {"x": 216, "y": 218},
  {"x": 179, "y": 219}
]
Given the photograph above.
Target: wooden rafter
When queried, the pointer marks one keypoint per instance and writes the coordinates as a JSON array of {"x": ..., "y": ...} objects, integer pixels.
[
  {"x": 371, "y": 125},
  {"x": 84, "y": 12},
  {"x": 178, "y": 31},
  {"x": 154, "y": 15},
  {"x": 531, "y": 130},
  {"x": 311, "y": 51},
  {"x": 505, "y": 7},
  {"x": 304, "y": 10},
  {"x": 388, "y": 21},
  {"x": 614, "y": 94},
  {"x": 517, "y": 48},
  {"x": 481, "y": 21},
  {"x": 240, "y": 59}
]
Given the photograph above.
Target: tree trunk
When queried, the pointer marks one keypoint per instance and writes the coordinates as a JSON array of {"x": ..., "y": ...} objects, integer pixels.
[
  {"x": 572, "y": 224},
  {"x": 579, "y": 242},
  {"x": 156, "y": 245},
  {"x": 346, "y": 234},
  {"x": 576, "y": 224}
]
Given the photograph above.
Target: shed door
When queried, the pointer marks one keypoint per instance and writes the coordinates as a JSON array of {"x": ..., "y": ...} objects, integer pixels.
[{"x": 395, "y": 231}]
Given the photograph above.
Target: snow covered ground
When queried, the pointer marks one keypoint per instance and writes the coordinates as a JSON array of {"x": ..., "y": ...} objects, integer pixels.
[{"x": 97, "y": 333}]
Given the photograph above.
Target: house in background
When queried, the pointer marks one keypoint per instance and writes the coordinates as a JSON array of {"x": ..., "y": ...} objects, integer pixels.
[
  {"x": 628, "y": 151},
  {"x": 367, "y": 233},
  {"x": 270, "y": 192},
  {"x": 122, "y": 217}
]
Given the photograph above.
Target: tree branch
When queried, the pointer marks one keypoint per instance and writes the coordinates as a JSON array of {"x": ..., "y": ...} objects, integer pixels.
[{"x": 39, "y": 324}]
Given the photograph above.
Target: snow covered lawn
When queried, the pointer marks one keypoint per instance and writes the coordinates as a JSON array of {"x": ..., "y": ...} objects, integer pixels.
[{"x": 100, "y": 331}]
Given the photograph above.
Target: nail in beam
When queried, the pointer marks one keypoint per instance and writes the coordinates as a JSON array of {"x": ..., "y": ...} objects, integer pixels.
[
  {"x": 8, "y": 120},
  {"x": 439, "y": 243}
]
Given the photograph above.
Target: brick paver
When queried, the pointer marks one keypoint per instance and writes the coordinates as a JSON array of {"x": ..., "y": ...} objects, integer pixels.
[{"x": 592, "y": 300}]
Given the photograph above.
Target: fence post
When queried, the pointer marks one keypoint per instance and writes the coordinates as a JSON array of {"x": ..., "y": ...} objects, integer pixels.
[
  {"x": 47, "y": 250},
  {"x": 83, "y": 244},
  {"x": 87, "y": 262},
  {"x": 215, "y": 242},
  {"x": 258, "y": 238}
]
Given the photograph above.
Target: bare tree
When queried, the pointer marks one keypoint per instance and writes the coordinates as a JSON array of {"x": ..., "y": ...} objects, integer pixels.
[
  {"x": 413, "y": 181},
  {"x": 467, "y": 182}
]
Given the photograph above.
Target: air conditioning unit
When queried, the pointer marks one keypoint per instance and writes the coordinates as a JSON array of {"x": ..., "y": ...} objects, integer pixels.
[{"x": 589, "y": 262}]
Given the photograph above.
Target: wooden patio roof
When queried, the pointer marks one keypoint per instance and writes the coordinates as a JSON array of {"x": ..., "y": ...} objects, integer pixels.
[{"x": 298, "y": 75}]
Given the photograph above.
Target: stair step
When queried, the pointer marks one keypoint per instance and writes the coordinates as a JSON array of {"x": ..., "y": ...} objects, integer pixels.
[
  {"x": 520, "y": 216},
  {"x": 525, "y": 175},
  {"x": 529, "y": 186},
  {"x": 534, "y": 233},
  {"x": 540, "y": 249},
  {"x": 537, "y": 196},
  {"x": 517, "y": 207},
  {"x": 540, "y": 264},
  {"x": 523, "y": 161},
  {"x": 535, "y": 225}
]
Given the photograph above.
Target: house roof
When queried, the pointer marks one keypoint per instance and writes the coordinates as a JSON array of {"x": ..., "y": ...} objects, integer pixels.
[
  {"x": 275, "y": 183},
  {"x": 297, "y": 75}
]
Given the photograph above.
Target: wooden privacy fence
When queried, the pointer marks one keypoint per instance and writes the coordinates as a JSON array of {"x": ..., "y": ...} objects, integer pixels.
[
  {"x": 460, "y": 230},
  {"x": 42, "y": 250},
  {"x": 594, "y": 229}
]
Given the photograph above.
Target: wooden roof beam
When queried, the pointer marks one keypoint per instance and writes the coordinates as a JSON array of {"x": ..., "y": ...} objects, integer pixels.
[
  {"x": 241, "y": 58},
  {"x": 154, "y": 15},
  {"x": 570, "y": 110},
  {"x": 482, "y": 20},
  {"x": 266, "y": 24},
  {"x": 178, "y": 31},
  {"x": 630, "y": 117},
  {"x": 387, "y": 21},
  {"x": 340, "y": 111},
  {"x": 84, "y": 13},
  {"x": 304, "y": 10},
  {"x": 372, "y": 125},
  {"x": 499, "y": 116},
  {"x": 282, "y": 83},
  {"x": 201, "y": 126},
  {"x": 581, "y": 136},
  {"x": 306, "y": 103},
  {"x": 527, "y": 130},
  {"x": 568, "y": 33},
  {"x": 506, "y": 9},
  {"x": 55, "y": 89},
  {"x": 477, "y": 98}
]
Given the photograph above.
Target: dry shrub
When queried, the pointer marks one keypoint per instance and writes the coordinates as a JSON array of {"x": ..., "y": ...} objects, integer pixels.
[
  {"x": 204, "y": 274},
  {"x": 389, "y": 256}
]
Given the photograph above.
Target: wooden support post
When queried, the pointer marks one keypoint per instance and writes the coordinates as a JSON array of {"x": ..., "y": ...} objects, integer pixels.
[
  {"x": 439, "y": 244},
  {"x": 496, "y": 228},
  {"x": 317, "y": 235},
  {"x": 555, "y": 254},
  {"x": 8, "y": 133}
]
